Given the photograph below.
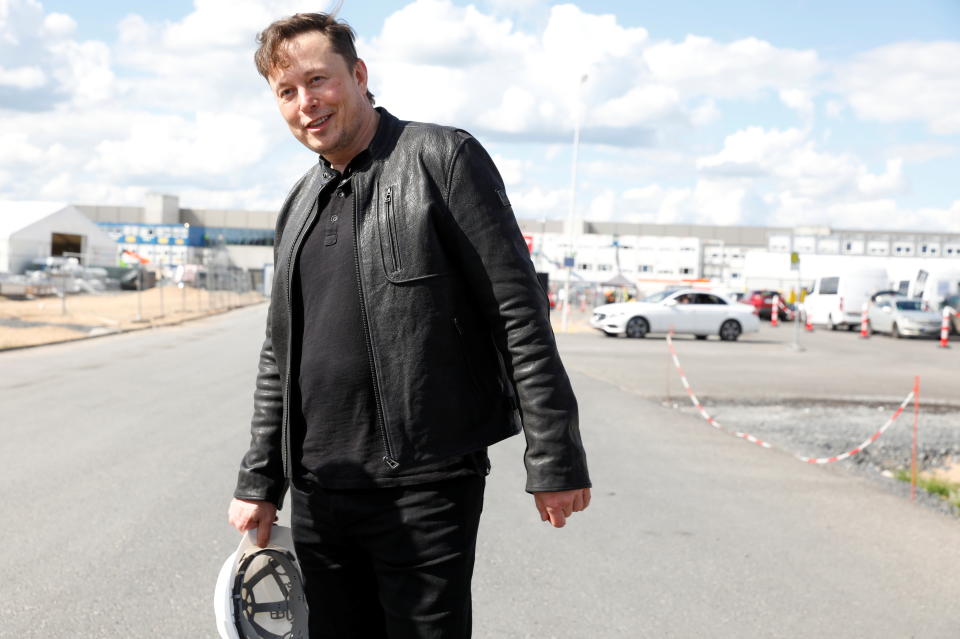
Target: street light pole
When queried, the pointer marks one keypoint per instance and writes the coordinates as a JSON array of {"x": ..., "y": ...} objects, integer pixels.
[{"x": 573, "y": 200}]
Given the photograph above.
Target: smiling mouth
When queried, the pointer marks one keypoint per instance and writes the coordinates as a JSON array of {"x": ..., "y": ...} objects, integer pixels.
[{"x": 319, "y": 122}]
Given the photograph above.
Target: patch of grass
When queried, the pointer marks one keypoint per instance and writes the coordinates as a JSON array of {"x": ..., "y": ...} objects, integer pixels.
[{"x": 940, "y": 487}]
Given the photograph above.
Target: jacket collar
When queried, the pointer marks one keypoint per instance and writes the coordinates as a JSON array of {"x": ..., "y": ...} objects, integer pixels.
[{"x": 386, "y": 129}]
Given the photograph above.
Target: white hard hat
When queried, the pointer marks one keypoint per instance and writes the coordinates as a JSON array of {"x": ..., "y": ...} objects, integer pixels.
[{"x": 259, "y": 592}]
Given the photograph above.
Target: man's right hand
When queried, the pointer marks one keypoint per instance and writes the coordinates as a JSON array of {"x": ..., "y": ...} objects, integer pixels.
[{"x": 246, "y": 514}]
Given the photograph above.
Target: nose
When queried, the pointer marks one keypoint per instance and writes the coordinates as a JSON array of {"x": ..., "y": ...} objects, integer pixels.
[{"x": 308, "y": 102}]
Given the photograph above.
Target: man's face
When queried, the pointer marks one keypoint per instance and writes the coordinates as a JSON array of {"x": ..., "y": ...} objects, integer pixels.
[{"x": 323, "y": 101}]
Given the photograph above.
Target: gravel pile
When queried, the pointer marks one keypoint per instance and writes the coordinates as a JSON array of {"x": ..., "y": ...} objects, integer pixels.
[{"x": 826, "y": 429}]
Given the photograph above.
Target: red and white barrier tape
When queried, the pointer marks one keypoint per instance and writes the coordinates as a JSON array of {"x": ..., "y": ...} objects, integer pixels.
[
  {"x": 867, "y": 442},
  {"x": 759, "y": 442},
  {"x": 696, "y": 402}
]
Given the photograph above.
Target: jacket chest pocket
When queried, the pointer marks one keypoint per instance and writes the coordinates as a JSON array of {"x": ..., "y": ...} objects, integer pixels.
[{"x": 409, "y": 247}]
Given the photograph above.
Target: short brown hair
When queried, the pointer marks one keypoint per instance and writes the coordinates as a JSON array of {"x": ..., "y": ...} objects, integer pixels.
[{"x": 270, "y": 55}]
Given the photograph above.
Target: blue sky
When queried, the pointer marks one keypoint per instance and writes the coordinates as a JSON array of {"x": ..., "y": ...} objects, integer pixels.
[{"x": 742, "y": 112}]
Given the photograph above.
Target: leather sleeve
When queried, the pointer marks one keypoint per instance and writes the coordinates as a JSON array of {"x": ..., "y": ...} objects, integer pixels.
[
  {"x": 503, "y": 285},
  {"x": 261, "y": 474}
]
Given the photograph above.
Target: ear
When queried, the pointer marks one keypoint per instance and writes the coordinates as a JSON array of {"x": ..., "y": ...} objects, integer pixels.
[{"x": 360, "y": 75}]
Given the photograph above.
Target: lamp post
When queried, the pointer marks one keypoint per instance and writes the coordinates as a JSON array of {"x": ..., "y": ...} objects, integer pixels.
[{"x": 568, "y": 261}]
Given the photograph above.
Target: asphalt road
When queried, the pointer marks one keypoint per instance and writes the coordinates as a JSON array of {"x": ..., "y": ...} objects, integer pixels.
[{"x": 119, "y": 457}]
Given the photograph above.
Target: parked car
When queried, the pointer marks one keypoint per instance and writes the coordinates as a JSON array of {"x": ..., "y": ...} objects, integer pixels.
[
  {"x": 762, "y": 300},
  {"x": 837, "y": 300},
  {"x": 681, "y": 310},
  {"x": 902, "y": 317}
]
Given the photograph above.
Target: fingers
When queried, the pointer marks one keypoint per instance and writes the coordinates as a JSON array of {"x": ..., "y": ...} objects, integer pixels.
[
  {"x": 245, "y": 515},
  {"x": 544, "y": 516},
  {"x": 578, "y": 502},
  {"x": 558, "y": 518},
  {"x": 263, "y": 533},
  {"x": 557, "y": 506}
]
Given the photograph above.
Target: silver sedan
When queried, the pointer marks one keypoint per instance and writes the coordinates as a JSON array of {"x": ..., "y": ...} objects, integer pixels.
[{"x": 903, "y": 317}]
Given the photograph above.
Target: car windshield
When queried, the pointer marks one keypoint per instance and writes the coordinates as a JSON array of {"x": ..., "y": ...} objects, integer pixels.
[
  {"x": 909, "y": 305},
  {"x": 659, "y": 297}
]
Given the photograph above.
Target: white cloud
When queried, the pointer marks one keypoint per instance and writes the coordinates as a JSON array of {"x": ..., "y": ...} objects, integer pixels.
[
  {"x": 59, "y": 25},
  {"x": 537, "y": 202},
  {"x": 603, "y": 207},
  {"x": 84, "y": 71},
  {"x": 23, "y": 77},
  {"x": 918, "y": 153},
  {"x": 753, "y": 150},
  {"x": 703, "y": 66},
  {"x": 918, "y": 81},
  {"x": 782, "y": 175},
  {"x": 798, "y": 100},
  {"x": 173, "y": 146},
  {"x": 639, "y": 105},
  {"x": 512, "y": 171},
  {"x": 883, "y": 213},
  {"x": 890, "y": 182},
  {"x": 835, "y": 108},
  {"x": 704, "y": 113},
  {"x": 177, "y": 105}
]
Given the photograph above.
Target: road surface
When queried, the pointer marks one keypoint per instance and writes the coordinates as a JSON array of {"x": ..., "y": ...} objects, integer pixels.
[{"x": 119, "y": 456}]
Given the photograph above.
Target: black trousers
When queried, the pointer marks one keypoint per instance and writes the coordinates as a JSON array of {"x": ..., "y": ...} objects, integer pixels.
[{"x": 389, "y": 562}]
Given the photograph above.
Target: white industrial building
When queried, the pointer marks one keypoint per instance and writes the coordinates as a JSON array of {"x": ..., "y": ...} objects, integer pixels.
[
  {"x": 741, "y": 258},
  {"x": 32, "y": 231},
  {"x": 645, "y": 257}
]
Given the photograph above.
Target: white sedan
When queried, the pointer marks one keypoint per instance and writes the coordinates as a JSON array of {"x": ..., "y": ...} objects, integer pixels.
[{"x": 682, "y": 311}]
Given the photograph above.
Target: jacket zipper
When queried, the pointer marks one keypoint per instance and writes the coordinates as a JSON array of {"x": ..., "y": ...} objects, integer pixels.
[
  {"x": 392, "y": 229},
  {"x": 388, "y": 458}
]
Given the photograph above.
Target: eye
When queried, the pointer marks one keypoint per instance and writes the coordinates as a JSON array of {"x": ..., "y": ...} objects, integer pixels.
[
  {"x": 285, "y": 93},
  {"x": 317, "y": 79}
]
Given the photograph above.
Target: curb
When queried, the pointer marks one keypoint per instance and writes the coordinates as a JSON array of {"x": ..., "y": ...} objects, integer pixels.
[{"x": 122, "y": 331}]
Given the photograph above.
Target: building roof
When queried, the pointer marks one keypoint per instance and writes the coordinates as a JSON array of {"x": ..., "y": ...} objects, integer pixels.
[
  {"x": 16, "y": 215},
  {"x": 618, "y": 280}
]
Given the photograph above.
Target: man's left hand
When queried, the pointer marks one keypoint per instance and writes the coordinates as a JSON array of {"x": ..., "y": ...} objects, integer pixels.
[{"x": 556, "y": 506}]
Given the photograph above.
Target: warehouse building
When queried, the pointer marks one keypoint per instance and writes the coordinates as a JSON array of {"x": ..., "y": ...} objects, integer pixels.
[{"x": 31, "y": 232}]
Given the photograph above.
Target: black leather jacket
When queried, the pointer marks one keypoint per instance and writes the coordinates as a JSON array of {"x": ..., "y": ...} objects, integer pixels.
[{"x": 458, "y": 337}]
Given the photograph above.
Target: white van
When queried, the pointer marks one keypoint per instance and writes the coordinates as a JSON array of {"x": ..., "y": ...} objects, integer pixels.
[{"x": 837, "y": 300}]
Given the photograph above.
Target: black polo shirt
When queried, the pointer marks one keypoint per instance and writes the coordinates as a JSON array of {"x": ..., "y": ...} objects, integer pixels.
[{"x": 337, "y": 440}]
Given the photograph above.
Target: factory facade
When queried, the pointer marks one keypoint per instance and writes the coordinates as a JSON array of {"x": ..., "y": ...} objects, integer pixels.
[{"x": 646, "y": 257}]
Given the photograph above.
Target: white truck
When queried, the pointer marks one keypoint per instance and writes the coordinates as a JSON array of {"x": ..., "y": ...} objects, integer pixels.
[{"x": 837, "y": 299}]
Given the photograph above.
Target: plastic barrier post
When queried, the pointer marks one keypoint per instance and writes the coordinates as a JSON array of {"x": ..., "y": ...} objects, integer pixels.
[
  {"x": 916, "y": 422},
  {"x": 809, "y": 322},
  {"x": 775, "y": 311},
  {"x": 865, "y": 321},
  {"x": 945, "y": 328}
]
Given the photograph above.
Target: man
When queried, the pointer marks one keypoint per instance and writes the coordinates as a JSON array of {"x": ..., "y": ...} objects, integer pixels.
[{"x": 406, "y": 333}]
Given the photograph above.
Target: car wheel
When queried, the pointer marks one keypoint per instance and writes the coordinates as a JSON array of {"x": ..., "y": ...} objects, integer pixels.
[
  {"x": 730, "y": 330},
  {"x": 637, "y": 327},
  {"x": 895, "y": 331},
  {"x": 830, "y": 323},
  {"x": 701, "y": 336}
]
